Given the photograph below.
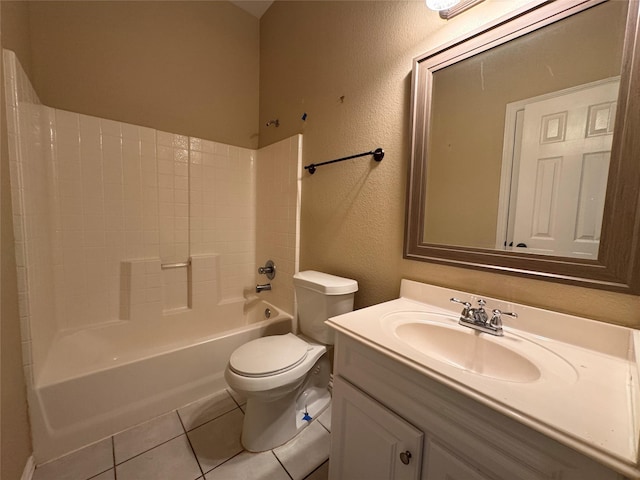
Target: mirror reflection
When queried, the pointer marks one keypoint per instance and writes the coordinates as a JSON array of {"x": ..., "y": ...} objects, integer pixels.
[{"x": 520, "y": 137}]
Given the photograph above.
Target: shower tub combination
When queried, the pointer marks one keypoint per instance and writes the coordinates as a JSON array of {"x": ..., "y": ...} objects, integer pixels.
[
  {"x": 104, "y": 347},
  {"x": 97, "y": 382}
]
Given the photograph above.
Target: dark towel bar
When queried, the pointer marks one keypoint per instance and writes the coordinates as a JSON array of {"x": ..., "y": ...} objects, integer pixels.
[{"x": 378, "y": 155}]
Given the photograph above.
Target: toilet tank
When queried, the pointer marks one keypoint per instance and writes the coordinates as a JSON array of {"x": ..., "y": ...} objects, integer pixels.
[{"x": 321, "y": 296}]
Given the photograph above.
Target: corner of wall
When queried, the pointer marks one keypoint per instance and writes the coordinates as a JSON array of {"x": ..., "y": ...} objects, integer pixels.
[
  {"x": 278, "y": 217},
  {"x": 15, "y": 439}
]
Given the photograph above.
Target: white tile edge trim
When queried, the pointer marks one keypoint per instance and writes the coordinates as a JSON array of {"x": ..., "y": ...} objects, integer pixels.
[{"x": 29, "y": 468}]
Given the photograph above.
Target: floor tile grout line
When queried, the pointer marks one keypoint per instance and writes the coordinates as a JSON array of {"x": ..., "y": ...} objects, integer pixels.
[
  {"x": 237, "y": 407},
  {"x": 181, "y": 422},
  {"x": 104, "y": 471},
  {"x": 317, "y": 468},
  {"x": 193, "y": 451},
  {"x": 233, "y": 398},
  {"x": 208, "y": 421},
  {"x": 149, "y": 449},
  {"x": 281, "y": 464},
  {"x": 186, "y": 432},
  {"x": 184, "y": 429},
  {"x": 113, "y": 456},
  {"x": 113, "y": 437},
  {"x": 226, "y": 461},
  {"x": 112, "y": 467},
  {"x": 323, "y": 426},
  {"x": 217, "y": 418}
]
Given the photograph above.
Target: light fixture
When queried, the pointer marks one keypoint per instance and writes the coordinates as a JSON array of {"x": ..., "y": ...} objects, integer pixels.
[
  {"x": 450, "y": 8},
  {"x": 439, "y": 5}
]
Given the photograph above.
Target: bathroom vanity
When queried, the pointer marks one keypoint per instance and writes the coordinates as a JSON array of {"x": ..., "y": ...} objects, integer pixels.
[{"x": 418, "y": 396}]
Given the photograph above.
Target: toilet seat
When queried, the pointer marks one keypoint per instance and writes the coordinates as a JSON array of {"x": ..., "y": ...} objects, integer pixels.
[{"x": 269, "y": 356}]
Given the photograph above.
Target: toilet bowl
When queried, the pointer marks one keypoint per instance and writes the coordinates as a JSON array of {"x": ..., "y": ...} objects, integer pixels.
[
  {"x": 273, "y": 414},
  {"x": 285, "y": 378}
]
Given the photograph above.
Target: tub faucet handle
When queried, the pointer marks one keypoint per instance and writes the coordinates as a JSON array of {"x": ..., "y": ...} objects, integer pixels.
[{"x": 269, "y": 270}]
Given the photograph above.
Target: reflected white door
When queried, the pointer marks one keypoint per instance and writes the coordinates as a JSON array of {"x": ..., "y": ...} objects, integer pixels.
[{"x": 562, "y": 176}]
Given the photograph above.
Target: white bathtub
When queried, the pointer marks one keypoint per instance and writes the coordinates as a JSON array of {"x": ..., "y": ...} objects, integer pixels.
[{"x": 96, "y": 382}]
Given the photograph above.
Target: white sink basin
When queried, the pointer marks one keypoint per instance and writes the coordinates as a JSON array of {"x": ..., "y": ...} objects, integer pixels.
[
  {"x": 509, "y": 358},
  {"x": 570, "y": 378}
]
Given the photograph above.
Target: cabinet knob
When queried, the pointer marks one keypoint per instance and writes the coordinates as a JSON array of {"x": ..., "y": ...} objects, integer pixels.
[{"x": 405, "y": 457}]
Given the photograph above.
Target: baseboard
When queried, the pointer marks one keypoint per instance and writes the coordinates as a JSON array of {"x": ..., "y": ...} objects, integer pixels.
[{"x": 29, "y": 468}]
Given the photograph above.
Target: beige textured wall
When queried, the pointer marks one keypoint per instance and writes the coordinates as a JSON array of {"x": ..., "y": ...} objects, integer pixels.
[
  {"x": 16, "y": 31},
  {"x": 184, "y": 67},
  {"x": 15, "y": 439},
  {"x": 312, "y": 53},
  {"x": 468, "y": 113}
]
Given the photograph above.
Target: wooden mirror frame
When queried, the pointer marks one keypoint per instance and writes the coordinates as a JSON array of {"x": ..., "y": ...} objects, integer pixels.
[{"x": 617, "y": 267}]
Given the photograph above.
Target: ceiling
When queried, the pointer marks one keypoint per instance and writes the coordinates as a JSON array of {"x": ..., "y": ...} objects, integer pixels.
[{"x": 254, "y": 7}]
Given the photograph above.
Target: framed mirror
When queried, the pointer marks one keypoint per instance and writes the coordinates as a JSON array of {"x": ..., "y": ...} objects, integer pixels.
[{"x": 526, "y": 147}]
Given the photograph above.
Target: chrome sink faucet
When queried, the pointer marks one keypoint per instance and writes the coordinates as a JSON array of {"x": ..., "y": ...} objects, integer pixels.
[
  {"x": 478, "y": 319},
  {"x": 479, "y": 315}
]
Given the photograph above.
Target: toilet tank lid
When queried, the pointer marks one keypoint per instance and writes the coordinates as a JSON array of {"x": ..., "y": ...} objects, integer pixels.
[{"x": 325, "y": 283}]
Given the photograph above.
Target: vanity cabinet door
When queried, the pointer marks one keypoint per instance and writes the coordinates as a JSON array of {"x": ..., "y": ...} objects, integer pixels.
[
  {"x": 444, "y": 465},
  {"x": 369, "y": 441}
]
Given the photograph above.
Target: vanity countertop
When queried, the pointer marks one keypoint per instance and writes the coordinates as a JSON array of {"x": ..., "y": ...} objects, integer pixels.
[{"x": 591, "y": 403}]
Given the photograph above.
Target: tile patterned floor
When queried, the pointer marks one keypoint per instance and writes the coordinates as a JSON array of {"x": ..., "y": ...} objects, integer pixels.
[{"x": 200, "y": 441}]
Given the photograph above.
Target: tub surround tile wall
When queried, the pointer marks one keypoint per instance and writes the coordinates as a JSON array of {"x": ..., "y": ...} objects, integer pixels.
[
  {"x": 175, "y": 290},
  {"x": 278, "y": 215},
  {"x": 222, "y": 202},
  {"x": 147, "y": 291},
  {"x": 205, "y": 283},
  {"x": 172, "y": 203},
  {"x": 102, "y": 218},
  {"x": 100, "y": 205},
  {"x": 140, "y": 289},
  {"x": 124, "y": 195},
  {"x": 32, "y": 215}
]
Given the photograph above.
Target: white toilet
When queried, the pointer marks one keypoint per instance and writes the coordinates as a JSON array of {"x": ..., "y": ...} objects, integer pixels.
[{"x": 285, "y": 377}]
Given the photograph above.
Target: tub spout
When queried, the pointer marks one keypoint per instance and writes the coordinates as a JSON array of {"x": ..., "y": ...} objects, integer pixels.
[{"x": 261, "y": 288}]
